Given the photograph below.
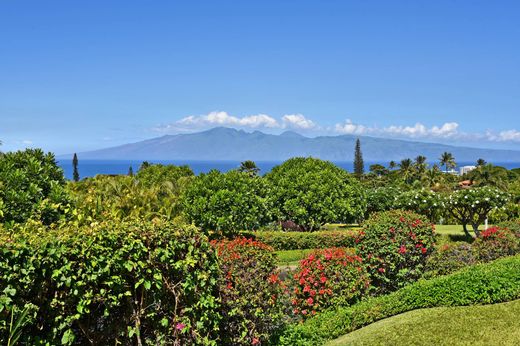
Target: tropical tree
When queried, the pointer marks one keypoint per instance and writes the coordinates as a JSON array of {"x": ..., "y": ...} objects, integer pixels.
[
  {"x": 392, "y": 164},
  {"x": 75, "y": 173},
  {"x": 227, "y": 202},
  {"x": 312, "y": 192},
  {"x": 420, "y": 164},
  {"x": 447, "y": 160},
  {"x": 481, "y": 162},
  {"x": 472, "y": 206},
  {"x": 31, "y": 186},
  {"x": 378, "y": 169},
  {"x": 489, "y": 175},
  {"x": 249, "y": 167},
  {"x": 359, "y": 167},
  {"x": 405, "y": 168}
]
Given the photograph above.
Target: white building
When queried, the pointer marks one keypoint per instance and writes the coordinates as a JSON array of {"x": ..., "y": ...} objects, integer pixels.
[{"x": 466, "y": 169}]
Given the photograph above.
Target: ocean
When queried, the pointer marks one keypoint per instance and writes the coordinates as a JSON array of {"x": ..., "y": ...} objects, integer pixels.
[{"x": 91, "y": 168}]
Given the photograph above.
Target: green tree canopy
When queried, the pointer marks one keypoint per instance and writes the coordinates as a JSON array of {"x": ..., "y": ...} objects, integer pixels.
[
  {"x": 227, "y": 202},
  {"x": 312, "y": 192},
  {"x": 31, "y": 185}
]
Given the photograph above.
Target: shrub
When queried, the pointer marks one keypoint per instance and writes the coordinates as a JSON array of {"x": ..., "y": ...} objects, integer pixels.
[
  {"x": 250, "y": 291},
  {"x": 512, "y": 225},
  {"x": 395, "y": 245},
  {"x": 227, "y": 202},
  {"x": 381, "y": 199},
  {"x": 450, "y": 258},
  {"x": 488, "y": 283},
  {"x": 31, "y": 186},
  {"x": 496, "y": 242},
  {"x": 423, "y": 201},
  {"x": 110, "y": 283},
  {"x": 330, "y": 277},
  {"x": 311, "y": 192},
  {"x": 307, "y": 240}
]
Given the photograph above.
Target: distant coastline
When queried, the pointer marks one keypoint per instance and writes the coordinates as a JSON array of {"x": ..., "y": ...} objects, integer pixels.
[{"x": 90, "y": 168}]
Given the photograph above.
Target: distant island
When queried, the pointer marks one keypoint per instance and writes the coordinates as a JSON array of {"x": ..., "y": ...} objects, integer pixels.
[{"x": 223, "y": 143}]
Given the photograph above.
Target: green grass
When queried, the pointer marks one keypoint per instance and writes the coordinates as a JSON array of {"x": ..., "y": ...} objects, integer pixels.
[
  {"x": 292, "y": 257},
  {"x": 339, "y": 227},
  {"x": 496, "y": 324}
]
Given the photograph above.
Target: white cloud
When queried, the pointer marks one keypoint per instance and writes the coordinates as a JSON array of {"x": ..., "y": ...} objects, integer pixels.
[
  {"x": 27, "y": 142},
  {"x": 297, "y": 121},
  {"x": 224, "y": 119},
  {"x": 348, "y": 127}
]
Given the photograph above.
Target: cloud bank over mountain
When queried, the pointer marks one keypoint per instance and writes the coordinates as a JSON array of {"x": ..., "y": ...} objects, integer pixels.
[{"x": 302, "y": 124}]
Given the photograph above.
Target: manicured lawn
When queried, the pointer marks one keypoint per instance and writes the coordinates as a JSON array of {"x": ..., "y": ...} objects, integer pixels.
[
  {"x": 339, "y": 227},
  {"x": 496, "y": 324},
  {"x": 292, "y": 257}
]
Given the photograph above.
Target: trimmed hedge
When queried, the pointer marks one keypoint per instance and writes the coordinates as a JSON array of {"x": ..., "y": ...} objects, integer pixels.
[
  {"x": 494, "y": 282},
  {"x": 110, "y": 283},
  {"x": 306, "y": 240}
]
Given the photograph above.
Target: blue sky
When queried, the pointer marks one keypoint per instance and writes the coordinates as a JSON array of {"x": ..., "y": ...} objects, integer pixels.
[{"x": 79, "y": 75}]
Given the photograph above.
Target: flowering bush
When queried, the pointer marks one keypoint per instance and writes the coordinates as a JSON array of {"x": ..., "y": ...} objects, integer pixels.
[
  {"x": 424, "y": 202},
  {"x": 472, "y": 206},
  {"x": 327, "y": 278},
  {"x": 450, "y": 258},
  {"x": 381, "y": 199},
  {"x": 395, "y": 245},
  {"x": 250, "y": 291},
  {"x": 496, "y": 242}
]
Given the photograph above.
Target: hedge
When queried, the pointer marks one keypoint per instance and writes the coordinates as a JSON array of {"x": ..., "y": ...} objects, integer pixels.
[
  {"x": 305, "y": 240},
  {"x": 493, "y": 282},
  {"x": 110, "y": 283}
]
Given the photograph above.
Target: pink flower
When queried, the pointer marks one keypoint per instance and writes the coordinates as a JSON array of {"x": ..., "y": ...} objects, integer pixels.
[
  {"x": 180, "y": 326},
  {"x": 310, "y": 301}
]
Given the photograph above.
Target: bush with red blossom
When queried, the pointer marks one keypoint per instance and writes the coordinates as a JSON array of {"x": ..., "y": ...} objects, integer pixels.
[
  {"x": 496, "y": 242},
  {"x": 326, "y": 278},
  {"x": 395, "y": 245},
  {"x": 250, "y": 291}
]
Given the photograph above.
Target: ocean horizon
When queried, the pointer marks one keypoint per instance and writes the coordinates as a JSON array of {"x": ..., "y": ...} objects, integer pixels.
[{"x": 91, "y": 168}]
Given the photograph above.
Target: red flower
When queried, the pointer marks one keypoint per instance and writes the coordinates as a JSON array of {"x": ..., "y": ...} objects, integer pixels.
[
  {"x": 402, "y": 249},
  {"x": 323, "y": 279},
  {"x": 423, "y": 250},
  {"x": 310, "y": 301},
  {"x": 255, "y": 341}
]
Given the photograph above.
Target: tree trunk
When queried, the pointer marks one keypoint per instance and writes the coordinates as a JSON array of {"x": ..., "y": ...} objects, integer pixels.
[
  {"x": 475, "y": 229},
  {"x": 465, "y": 228}
]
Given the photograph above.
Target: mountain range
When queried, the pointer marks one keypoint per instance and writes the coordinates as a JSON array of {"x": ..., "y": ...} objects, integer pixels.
[{"x": 223, "y": 143}]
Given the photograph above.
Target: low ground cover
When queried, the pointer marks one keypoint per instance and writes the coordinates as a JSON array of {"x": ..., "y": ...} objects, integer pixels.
[
  {"x": 493, "y": 282},
  {"x": 495, "y": 324}
]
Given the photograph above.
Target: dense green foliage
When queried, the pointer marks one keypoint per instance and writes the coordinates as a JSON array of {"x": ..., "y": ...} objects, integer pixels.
[
  {"x": 307, "y": 240},
  {"x": 312, "y": 192},
  {"x": 381, "y": 199},
  {"x": 493, "y": 282},
  {"x": 128, "y": 283},
  {"x": 395, "y": 245},
  {"x": 227, "y": 202},
  {"x": 31, "y": 186},
  {"x": 423, "y": 201},
  {"x": 472, "y": 206},
  {"x": 250, "y": 291}
]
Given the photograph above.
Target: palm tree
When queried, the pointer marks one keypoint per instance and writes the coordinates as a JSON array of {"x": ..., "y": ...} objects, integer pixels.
[
  {"x": 392, "y": 164},
  {"x": 447, "y": 160},
  {"x": 481, "y": 162},
  {"x": 249, "y": 167},
  {"x": 420, "y": 164},
  {"x": 406, "y": 168}
]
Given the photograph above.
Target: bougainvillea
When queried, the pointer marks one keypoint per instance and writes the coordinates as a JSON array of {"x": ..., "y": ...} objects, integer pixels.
[
  {"x": 496, "y": 242},
  {"x": 328, "y": 277},
  {"x": 250, "y": 291},
  {"x": 395, "y": 245}
]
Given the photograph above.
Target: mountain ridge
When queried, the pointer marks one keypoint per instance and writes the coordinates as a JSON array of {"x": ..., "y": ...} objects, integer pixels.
[{"x": 222, "y": 143}]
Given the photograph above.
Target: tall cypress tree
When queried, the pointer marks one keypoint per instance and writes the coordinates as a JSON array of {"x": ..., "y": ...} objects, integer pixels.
[
  {"x": 359, "y": 166},
  {"x": 75, "y": 173}
]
